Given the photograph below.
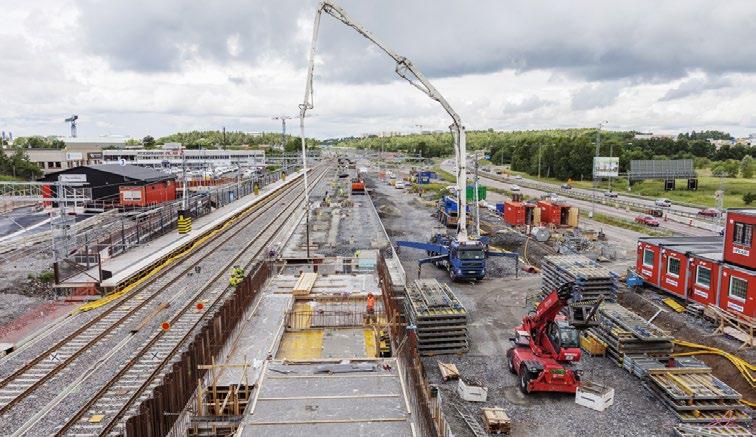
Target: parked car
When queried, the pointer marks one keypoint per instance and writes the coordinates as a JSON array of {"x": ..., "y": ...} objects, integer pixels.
[
  {"x": 399, "y": 185},
  {"x": 664, "y": 203},
  {"x": 709, "y": 212},
  {"x": 566, "y": 186},
  {"x": 647, "y": 220},
  {"x": 611, "y": 194},
  {"x": 514, "y": 187}
]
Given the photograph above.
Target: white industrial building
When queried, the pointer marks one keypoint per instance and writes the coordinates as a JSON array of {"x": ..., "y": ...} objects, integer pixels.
[{"x": 195, "y": 159}]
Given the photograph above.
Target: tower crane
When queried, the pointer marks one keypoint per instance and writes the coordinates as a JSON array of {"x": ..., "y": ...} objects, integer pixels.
[
  {"x": 72, "y": 119},
  {"x": 460, "y": 255}
]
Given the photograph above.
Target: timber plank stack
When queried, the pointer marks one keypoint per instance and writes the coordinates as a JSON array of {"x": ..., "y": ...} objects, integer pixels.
[
  {"x": 591, "y": 280},
  {"x": 697, "y": 396},
  {"x": 627, "y": 333},
  {"x": 439, "y": 317}
]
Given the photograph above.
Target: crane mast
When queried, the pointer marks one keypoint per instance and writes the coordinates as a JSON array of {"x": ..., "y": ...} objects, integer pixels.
[{"x": 408, "y": 71}]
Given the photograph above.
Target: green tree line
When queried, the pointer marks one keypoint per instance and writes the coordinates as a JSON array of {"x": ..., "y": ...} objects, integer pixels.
[{"x": 565, "y": 153}]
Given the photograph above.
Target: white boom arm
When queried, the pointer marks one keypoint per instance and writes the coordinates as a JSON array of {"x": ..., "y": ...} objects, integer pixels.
[{"x": 409, "y": 72}]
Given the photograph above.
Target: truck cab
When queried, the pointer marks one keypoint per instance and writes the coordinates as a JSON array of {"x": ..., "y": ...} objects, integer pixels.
[{"x": 468, "y": 260}]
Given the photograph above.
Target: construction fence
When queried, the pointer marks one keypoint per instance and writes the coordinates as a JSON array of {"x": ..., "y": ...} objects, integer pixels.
[{"x": 139, "y": 226}]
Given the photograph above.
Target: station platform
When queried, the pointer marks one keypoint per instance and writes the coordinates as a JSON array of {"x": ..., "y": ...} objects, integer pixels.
[{"x": 141, "y": 260}]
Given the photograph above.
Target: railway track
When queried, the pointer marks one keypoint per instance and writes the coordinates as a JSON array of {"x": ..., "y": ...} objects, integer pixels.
[{"x": 154, "y": 299}]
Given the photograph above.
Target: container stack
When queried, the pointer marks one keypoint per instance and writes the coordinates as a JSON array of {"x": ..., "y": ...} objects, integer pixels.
[
  {"x": 591, "y": 280},
  {"x": 627, "y": 333},
  {"x": 439, "y": 317}
]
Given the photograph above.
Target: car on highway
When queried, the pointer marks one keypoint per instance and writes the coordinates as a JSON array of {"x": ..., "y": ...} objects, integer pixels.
[
  {"x": 399, "y": 185},
  {"x": 611, "y": 194},
  {"x": 709, "y": 212},
  {"x": 516, "y": 177},
  {"x": 566, "y": 186},
  {"x": 514, "y": 188},
  {"x": 664, "y": 203},
  {"x": 647, "y": 220}
]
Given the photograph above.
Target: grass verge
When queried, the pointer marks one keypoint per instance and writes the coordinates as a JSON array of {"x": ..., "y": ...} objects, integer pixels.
[{"x": 628, "y": 224}]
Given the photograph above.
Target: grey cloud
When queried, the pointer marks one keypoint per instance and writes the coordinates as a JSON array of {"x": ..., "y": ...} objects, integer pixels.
[
  {"x": 526, "y": 105},
  {"x": 595, "y": 96},
  {"x": 628, "y": 39},
  {"x": 695, "y": 86}
]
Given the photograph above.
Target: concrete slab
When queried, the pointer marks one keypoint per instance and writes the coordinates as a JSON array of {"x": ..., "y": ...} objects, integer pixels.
[
  {"x": 344, "y": 343},
  {"x": 302, "y": 402}
]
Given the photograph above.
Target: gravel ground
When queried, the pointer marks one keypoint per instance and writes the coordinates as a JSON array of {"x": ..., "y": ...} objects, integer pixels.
[
  {"x": 636, "y": 412},
  {"x": 496, "y": 306}
]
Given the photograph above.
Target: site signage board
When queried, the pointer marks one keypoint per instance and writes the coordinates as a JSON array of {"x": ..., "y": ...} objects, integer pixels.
[{"x": 605, "y": 167}]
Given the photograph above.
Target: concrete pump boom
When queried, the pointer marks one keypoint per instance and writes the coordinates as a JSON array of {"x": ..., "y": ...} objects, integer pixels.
[{"x": 406, "y": 70}]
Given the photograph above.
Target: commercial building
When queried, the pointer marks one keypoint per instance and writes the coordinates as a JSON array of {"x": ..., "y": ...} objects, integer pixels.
[
  {"x": 119, "y": 185},
  {"x": 77, "y": 152},
  {"x": 195, "y": 159}
]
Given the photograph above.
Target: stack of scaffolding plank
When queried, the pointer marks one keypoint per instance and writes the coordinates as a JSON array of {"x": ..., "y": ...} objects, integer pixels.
[
  {"x": 439, "y": 317},
  {"x": 591, "y": 280},
  {"x": 697, "y": 396},
  {"x": 627, "y": 333},
  {"x": 724, "y": 430}
]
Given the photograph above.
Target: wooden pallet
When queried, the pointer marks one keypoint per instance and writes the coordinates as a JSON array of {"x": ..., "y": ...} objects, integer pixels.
[
  {"x": 448, "y": 371},
  {"x": 496, "y": 421}
]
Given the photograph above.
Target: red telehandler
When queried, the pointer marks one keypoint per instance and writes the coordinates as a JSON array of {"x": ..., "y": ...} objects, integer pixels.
[{"x": 545, "y": 349}]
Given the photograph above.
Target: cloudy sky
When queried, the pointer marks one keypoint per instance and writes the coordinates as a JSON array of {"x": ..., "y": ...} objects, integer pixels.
[{"x": 143, "y": 67}]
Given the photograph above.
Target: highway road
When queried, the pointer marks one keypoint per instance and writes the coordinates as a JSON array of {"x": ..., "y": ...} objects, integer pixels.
[{"x": 603, "y": 205}]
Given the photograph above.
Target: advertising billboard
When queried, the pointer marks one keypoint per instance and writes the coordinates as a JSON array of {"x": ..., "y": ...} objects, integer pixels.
[{"x": 605, "y": 167}]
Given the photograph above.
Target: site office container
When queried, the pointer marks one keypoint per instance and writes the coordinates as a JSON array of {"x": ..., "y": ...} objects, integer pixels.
[
  {"x": 558, "y": 214},
  {"x": 514, "y": 213},
  {"x": 738, "y": 290},
  {"x": 704, "y": 278},
  {"x": 648, "y": 262},
  {"x": 150, "y": 194},
  {"x": 739, "y": 238},
  {"x": 518, "y": 213},
  {"x": 674, "y": 267}
]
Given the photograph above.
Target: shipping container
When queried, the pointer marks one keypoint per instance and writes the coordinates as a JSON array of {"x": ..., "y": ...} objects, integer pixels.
[
  {"x": 739, "y": 237},
  {"x": 738, "y": 290},
  {"x": 675, "y": 266},
  {"x": 705, "y": 276},
  {"x": 150, "y": 194},
  {"x": 648, "y": 255}
]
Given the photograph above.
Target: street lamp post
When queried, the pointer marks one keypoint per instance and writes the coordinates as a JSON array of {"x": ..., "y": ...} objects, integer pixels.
[{"x": 595, "y": 181}]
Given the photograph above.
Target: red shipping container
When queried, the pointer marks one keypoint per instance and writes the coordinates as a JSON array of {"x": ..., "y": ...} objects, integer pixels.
[
  {"x": 739, "y": 237},
  {"x": 705, "y": 275},
  {"x": 514, "y": 213},
  {"x": 647, "y": 262},
  {"x": 150, "y": 194},
  {"x": 738, "y": 290}
]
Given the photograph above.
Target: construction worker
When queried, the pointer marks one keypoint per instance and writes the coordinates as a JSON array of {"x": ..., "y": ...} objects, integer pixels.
[
  {"x": 370, "y": 309},
  {"x": 237, "y": 276}
]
